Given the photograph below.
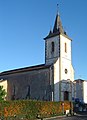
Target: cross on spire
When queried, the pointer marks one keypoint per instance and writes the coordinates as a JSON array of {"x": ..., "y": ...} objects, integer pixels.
[{"x": 58, "y": 9}]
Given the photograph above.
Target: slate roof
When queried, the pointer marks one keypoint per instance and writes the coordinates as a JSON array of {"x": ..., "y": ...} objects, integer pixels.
[
  {"x": 25, "y": 69},
  {"x": 77, "y": 80}
]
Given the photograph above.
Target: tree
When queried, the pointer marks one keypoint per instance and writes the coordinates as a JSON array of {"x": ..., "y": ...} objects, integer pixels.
[{"x": 2, "y": 93}]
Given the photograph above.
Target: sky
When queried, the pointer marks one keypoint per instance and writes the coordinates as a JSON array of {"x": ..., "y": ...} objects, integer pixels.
[{"x": 24, "y": 24}]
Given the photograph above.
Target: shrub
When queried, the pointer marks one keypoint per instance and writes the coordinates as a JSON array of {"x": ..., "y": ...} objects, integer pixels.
[
  {"x": 30, "y": 109},
  {"x": 2, "y": 93}
]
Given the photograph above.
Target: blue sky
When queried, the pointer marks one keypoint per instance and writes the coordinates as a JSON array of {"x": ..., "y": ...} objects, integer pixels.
[{"x": 24, "y": 24}]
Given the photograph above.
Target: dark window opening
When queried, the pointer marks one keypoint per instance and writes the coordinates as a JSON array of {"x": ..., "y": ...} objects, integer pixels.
[
  {"x": 52, "y": 46},
  {"x": 65, "y": 47},
  {"x": 66, "y": 71},
  {"x": 13, "y": 95},
  {"x": 28, "y": 92},
  {"x": 66, "y": 95}
]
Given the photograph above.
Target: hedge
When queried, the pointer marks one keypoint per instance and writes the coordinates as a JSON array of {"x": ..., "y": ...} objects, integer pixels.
[{"x": 28, "y": 109}]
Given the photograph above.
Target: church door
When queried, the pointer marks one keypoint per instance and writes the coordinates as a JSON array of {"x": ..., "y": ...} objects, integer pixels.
[{"x": 66, "y": 95}]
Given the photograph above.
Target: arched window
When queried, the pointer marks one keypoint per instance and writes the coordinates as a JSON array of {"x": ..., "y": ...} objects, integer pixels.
[
  {"x": 65, "y": 47},
  {"x": 52, "y": 44}
]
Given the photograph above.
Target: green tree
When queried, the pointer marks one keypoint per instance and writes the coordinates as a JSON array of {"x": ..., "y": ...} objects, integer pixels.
[{"x": 2, "y": 93}]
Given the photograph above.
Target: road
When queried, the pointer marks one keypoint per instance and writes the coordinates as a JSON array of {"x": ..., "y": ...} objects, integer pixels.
[{"x": 71, "y": 118}]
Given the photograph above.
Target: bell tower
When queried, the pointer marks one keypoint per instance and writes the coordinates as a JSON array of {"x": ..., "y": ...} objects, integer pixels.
[
  {"x": 52, "y": 42},
  {"x": 58, "y": 53}
]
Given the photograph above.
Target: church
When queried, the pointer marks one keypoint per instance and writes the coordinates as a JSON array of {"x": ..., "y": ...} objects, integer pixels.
[{"x": 52, "y": 81}]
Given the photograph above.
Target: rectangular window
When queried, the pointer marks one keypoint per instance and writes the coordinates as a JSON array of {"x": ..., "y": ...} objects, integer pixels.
[
  {"x": 52, "y": 44},
  {"x": 65, "y": 47}
]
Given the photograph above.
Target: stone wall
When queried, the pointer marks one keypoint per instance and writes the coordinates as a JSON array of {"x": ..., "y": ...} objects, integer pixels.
[{"x": 34, "y": 84}]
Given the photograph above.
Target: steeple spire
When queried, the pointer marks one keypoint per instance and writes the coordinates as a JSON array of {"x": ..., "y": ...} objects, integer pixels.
[
  {"x": 58, "y": 25},
  {"x": 58, "y": 28}
]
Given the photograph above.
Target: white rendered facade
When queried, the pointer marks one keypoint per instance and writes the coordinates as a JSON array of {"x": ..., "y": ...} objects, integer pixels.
[
  {"x": 85, "y": 91},
  {"x": 60, "y": 57},
  {"x": 81, "y": 90}
]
